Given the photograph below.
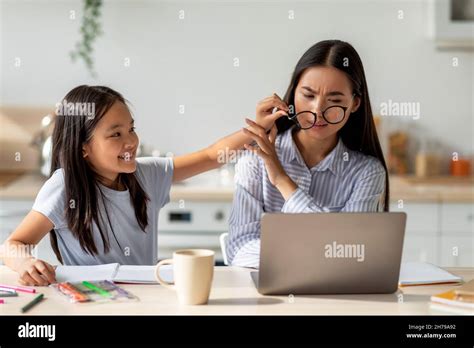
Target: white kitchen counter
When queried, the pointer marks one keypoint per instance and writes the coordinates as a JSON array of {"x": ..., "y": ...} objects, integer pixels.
[
  {"x": 448, "y": 190},
  {"x": 27, "y": 187}
]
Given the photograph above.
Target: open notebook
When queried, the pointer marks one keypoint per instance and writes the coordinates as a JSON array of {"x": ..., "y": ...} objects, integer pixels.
[
  {"x": 114, "y": 272},
  {"x": 422, "y": 273}
]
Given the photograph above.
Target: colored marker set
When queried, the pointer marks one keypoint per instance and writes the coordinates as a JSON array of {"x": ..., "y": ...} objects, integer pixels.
[{"x": 97, "y": 291}]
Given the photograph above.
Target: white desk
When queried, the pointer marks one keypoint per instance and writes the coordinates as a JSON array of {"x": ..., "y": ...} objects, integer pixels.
[{"x": 233, "y": 293}]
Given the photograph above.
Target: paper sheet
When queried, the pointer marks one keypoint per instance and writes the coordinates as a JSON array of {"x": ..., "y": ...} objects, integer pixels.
[
  {"x": 114, "y": 272},
  {"x": 80, "y": 273},
  {"x": 143, "y": 274}
]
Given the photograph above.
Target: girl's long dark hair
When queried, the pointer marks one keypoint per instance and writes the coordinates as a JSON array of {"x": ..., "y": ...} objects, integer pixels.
[
  {"x": 359, "y": 132},
  {"x": 83, "y": 207}
]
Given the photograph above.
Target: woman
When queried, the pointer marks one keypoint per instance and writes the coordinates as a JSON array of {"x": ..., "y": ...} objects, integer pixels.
[{"x": 324, "y": 156}]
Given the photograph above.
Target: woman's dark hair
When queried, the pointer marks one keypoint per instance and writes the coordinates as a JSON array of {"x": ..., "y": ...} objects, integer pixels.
[
  {"x": 72, "y": 129},
  {"x": 359, "y": 132}
]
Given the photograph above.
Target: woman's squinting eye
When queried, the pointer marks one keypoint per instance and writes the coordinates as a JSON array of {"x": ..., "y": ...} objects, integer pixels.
[
  {"x": 311, "y": 96},
  {"x": 132, "y": 129}
]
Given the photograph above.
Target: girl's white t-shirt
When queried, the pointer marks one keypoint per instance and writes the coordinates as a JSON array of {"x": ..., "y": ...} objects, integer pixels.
[{"x": 128, "y": 243}]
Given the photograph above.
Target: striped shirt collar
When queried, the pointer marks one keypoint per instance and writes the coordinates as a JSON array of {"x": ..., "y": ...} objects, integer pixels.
[{"x": 334, "y": 161}]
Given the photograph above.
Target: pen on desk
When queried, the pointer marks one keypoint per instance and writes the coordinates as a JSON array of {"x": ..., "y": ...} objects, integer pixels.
[
  {"x": 17, "y": 288},
  {"x": 120, "y": 290},
  {"x": 6, "y": 290},
  {"x": 9, "y": 293},
  {"x": 31, "y": 304},
  {"x": 96, "y": 289}
]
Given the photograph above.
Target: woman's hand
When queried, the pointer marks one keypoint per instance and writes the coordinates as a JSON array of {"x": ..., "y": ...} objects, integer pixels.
[
  {"x": 36, "y": 272},
  {"x": 265, "y": 117},
  {"x": 266, "y": 150}
]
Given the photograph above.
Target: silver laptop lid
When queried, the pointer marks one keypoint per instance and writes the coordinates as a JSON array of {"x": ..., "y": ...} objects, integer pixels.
[{"x": 330, "y": 253}]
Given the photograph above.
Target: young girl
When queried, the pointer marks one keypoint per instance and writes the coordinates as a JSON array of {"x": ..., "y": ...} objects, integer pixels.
[
  {"x": 325, "y": 158},
  {"x": 101, "y": 204}
]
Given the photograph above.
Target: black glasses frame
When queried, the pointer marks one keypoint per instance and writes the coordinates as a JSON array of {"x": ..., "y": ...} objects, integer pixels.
[{"x": 294, "y": 117}]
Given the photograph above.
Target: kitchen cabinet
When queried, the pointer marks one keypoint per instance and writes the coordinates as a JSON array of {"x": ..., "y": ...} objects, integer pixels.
[
  {"x": 457, "y": 218},
  {"x": 421, "y": 232},
  {"x": 457, "y": 234},
  {"x": 12, "y": 212},
  {"x": 441, "y": 233},
  {"x": 192, "y": 224}
]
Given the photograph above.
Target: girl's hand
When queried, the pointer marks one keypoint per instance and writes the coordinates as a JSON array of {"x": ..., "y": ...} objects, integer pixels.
[
  {"x": 265, "y": 117},
  {"x": 266, "y": 150},
  {"x": 36, "y": 272}
]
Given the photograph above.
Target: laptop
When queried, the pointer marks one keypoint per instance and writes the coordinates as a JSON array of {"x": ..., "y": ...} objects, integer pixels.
[{"x": 330, "y": 253}]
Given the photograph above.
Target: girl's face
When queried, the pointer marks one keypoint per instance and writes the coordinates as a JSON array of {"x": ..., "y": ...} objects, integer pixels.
[
  {"x": 319, "y": 88},
  {"x": 113, "y": 146}
]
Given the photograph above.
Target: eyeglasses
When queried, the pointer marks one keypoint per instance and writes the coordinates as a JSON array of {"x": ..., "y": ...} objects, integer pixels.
[
  {"x": 307, "y": 119},
  {"x": 333, "y": 115}
]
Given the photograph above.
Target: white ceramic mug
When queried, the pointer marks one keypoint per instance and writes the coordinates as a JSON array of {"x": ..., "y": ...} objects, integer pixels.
[{"x": 193, "y": 270}]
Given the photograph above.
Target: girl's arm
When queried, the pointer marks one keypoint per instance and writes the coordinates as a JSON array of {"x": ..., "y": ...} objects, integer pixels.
[
  {"x": 16, "y": 254},
  {"x": 210, "y": 158},
  {"x": 214, "y": 156}
]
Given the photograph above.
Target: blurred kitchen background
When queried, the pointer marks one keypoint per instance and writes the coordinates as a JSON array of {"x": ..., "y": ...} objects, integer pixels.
[{"x": 193, "y": 70}]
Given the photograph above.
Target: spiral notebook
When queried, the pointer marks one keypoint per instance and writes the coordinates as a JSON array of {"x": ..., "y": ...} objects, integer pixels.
[{"x": 114, "y": 272}]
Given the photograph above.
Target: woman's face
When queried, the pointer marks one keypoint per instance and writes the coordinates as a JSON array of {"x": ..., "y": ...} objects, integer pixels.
[
  {"x": 319, "y": 88},
  {"x": 113, "y": 146}
]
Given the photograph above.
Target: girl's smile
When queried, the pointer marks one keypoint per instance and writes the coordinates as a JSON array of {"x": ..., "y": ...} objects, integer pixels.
[{"x": 128, "y": 156}]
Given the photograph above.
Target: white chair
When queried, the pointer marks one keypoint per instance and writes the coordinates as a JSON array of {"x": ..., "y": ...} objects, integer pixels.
[{"x": 223, "y": 241}]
